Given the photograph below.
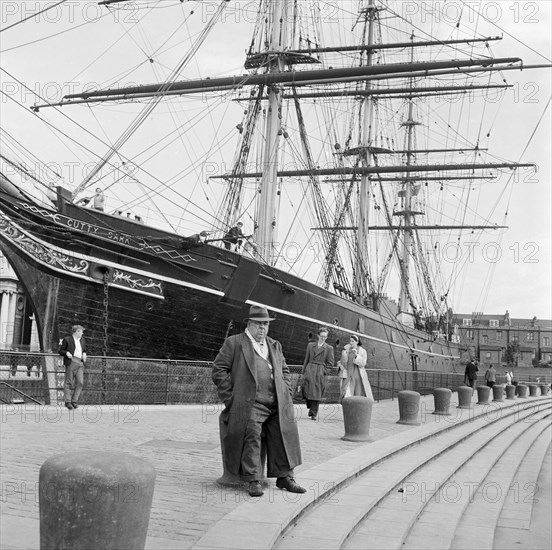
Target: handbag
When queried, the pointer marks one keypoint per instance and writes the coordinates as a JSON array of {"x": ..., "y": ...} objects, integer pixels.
[{"x": 342, "y": 371}]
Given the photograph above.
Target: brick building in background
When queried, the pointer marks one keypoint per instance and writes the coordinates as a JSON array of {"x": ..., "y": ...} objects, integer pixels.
[{"x": 490, "y": 338}]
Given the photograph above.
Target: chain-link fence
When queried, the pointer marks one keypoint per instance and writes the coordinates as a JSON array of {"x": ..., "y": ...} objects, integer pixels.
[
  {"x": 22, "y": 377},
  {"x": 122, "y": 380}
]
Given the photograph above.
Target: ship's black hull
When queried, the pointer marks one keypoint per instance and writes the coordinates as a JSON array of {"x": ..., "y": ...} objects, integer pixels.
[{"x": 139, "y": 294}]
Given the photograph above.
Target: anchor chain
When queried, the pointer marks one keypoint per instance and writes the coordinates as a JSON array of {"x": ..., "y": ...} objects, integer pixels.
[{"x": 105, "y": 327}]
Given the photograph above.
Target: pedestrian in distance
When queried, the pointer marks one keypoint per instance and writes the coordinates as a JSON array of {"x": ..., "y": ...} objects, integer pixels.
[
  {"x": 318, "y": 363},
  {"x": 353, "y": 360},
  {"x": 508, "y": 376},
  {"x": 490, "y": 376},
  {"x": 253, "y": 381},
  {"x": 470, "y": 374},
  {"x": 73, "y": 350}
]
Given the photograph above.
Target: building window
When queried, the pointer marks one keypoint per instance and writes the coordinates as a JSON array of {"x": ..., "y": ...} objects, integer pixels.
[
  {"x": 469, "y": 334},
  {"x": 493, "y": 323},
  {"x": 515, "y": 338},
  {"x": 546, "y": 341},
  {"x": 530, "y": 336},
  {"x": 467, "y": 322},
  {"x": 499, "y": 335},
  {"x": 485, "y": 339},
  {"x": 488, "y": 355}
]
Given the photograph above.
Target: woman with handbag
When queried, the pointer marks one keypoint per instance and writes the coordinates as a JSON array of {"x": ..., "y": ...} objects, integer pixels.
[
  {"x": 319, "y": 361},
  {"x": 353, "y": 361}
]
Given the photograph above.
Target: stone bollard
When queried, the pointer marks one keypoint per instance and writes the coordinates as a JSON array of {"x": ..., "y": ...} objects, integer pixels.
[
  {"x": 409, "y": 407},
  {"x": 510, "y": 391},
  {"x": 522, "y": 391},
  {"x": 465, "y": 394},
  {"x": 498, "y": 392},
  {"x": 544, "y": 389},
  {"x": 442, "y": 397},
  {"x": 533, "y": 390},
  {"x": 357, "y": 413},
  {"x": 483, "y": 394},
  {"x": 93, "y": 499}
]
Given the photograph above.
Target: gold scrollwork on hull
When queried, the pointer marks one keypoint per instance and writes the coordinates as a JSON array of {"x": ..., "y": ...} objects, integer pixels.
[
  {"x": 126, "y": 279},
  {"x": 40, "y": 252}
]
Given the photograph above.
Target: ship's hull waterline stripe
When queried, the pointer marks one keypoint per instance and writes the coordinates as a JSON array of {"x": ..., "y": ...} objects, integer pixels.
[{"x": 365, "y": 336}]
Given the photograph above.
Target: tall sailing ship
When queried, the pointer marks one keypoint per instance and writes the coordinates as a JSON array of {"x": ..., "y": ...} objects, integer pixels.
[{"x": 346, "y": 174}]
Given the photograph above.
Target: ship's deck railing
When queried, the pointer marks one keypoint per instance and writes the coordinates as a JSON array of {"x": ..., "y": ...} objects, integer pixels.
[{"x": 124, "y": 380}]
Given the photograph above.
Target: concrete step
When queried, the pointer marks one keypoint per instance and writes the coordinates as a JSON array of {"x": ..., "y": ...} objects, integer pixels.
[
  {"x": 518, "y": 506},
  {"x": 449, "y": 505},
  {"x": 382, "y": 514},
  {"x": 524, "y": 521},
  {"x": 437, "y": 480},
  {"x": 479, "y": 521},
  {"x": 279, "y": 519}
]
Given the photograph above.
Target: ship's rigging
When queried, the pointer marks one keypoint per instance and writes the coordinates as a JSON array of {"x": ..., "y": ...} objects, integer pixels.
[{"x": 354, "y": 212}]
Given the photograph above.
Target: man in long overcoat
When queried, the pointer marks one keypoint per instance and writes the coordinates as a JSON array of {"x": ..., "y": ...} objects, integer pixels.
[
  {"x": 318, "y": 363},
  {"x": 470, "y": 374},
  {"x": 253, "y": 382}
]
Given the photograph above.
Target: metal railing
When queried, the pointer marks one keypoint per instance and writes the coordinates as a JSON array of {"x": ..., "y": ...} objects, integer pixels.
[
  {"x": 123, "y": 380},
  {"x": 22, "y": 396}
]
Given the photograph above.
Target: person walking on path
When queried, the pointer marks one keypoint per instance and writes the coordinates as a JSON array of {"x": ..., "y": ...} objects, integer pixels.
[
  {"x": 353, "y": 360},
  {"x": 253, "y": 382},
  {"x": 490, "y": 376},
  {"x": 319, "y": 361},
  {"x": 73, "y": 350},
  {"x": 470, "y": 374}
]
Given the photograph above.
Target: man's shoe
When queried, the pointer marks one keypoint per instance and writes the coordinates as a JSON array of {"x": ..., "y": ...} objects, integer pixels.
[
  {"x": 69, "y": 405},
  {"x": 75, "y": 406},
  {"x": 255, "y": 489},
  {"x": 290, "y": 485},
  {"x": 310, "y": 412},
  {"x": 313, "y": 417}
]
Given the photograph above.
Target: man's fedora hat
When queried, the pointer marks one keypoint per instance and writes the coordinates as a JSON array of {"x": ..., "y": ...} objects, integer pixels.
[{"x": 258, "y": 313}]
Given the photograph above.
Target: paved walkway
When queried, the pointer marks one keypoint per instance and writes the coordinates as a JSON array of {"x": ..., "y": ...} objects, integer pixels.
[{"x": 182, "y": 442}]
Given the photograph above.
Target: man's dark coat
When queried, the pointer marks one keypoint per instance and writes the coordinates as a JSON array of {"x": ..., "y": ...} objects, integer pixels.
[
  {"x": 68, "y": 345},
  {"x": 234, "y": 375}
]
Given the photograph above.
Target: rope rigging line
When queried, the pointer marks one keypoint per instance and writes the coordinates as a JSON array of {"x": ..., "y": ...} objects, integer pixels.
[
  {"x": 33, "y": 15},
  {"x": 49, "y": 36},
  {"x": 81, "y": 145},
  {"x": 125, "y": 33},
  {"x": 154, "y": 102}
]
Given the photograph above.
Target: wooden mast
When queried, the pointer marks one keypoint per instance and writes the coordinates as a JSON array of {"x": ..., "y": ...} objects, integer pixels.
[
  {"x": 359, "y": 271},
  {"x": 266, "y": 219},
  {"x": 405, "y": 307}
]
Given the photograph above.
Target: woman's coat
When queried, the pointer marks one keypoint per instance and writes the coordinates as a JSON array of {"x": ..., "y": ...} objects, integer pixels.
[
  {"x": 234, "y": 375},
  {"x": 360, "y": 362}
]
